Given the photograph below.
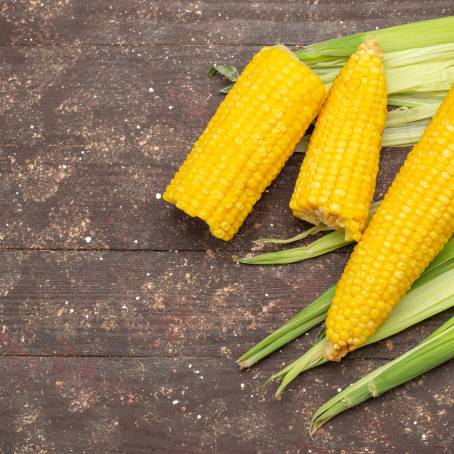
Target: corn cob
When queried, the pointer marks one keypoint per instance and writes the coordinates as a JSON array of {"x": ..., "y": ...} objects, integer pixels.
[
  {"x": 248, "y": 140},
  {"x": 409, "y": 228},
  {"x": 336, "y": 182}
]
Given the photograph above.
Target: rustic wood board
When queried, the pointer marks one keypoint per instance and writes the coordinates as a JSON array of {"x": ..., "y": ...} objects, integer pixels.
[{"x": 120, "y": 317}]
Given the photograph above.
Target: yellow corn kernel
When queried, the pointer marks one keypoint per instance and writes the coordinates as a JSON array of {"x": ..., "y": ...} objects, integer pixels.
[
  {"x": 336, "y": 182},
  {"x": 248, "y": 140},
  {"x": 410, "y": 227}
]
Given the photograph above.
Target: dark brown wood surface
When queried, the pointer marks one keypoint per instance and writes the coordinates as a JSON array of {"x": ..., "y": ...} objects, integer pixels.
[{"x": 120, "y": 317}]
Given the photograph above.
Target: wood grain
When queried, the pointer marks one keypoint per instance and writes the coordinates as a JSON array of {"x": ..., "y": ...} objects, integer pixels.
[
  {"x": 191, "y": 405},
  {"x": 120, "y": 317},
  {"x": 115, "y": 22},
  {"x": 159, "y": 304},
  {"x": 56, "y": 199}
]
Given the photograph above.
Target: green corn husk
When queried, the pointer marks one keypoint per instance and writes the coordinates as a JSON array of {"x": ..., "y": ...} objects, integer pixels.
[
  {"x": 315, "y": 313},
  {"x": 229, "y": 72},
  {"x": 424, "y": 301},
  {"x": 300, "y": 236},
  {"x": 323, "y": 245},
  {"x": 403, "y": 136},
  {"x": 327, "y": 243},
  {"x": 421, "y": 77},
  {"x": 435, "y": 350},
  {"x": 416, "y": 99},
  {"x": 310, "y": 316},
  {"x": 397, "y": 38},
  {"x": 403, "y": 116},
  {"x": 438, "y": 52}
]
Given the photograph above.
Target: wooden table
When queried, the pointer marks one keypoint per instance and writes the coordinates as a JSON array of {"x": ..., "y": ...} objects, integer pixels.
[{"x": 120, "y": 317}]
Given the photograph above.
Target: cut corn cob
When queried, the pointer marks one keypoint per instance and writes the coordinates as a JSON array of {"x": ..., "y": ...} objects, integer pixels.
[
  {"x": 336, "y": 182},
  {"x": 248, "y": 140},
  {"x": 411, "y": 225}
]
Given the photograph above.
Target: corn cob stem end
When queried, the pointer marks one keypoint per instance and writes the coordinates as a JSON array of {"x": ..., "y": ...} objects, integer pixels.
[
  {"x": 334, "y": 352},
  {"x": 332, "y": 219}
]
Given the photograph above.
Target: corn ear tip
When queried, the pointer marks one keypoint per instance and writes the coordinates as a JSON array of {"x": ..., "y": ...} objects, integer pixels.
[{"x": 372, "y": 45}]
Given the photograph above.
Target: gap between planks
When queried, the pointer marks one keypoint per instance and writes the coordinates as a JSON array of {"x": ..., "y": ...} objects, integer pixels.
[
  {"x": 137, "y": 45},
  {"x": 184, "y": 357},
  {"x": 172, "y": 251}
]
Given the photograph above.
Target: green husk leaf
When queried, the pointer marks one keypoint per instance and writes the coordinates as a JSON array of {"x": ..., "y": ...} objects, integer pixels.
[
  {"x": 321, "y": 334},
  {"x": 405, "y": 115},
  {"x": 421, "y": 77},
  {"x": 416, "y": 99},
  {"x": 300, "y": 236},
  {"x": 229, "y": 72},
  {"x": 424, "y": 301},
  {"x": 425, "y": 33},
  {"x": 284, "y": 338},
  {"x": 424, "y": 54},
  {"x": 405, "y": 135},
  {"x": 226, "y": 89},
  {"x": 323, "y": 245},
  {"x": 436, "y": 349},
  {"x": 310, "y": 315}
]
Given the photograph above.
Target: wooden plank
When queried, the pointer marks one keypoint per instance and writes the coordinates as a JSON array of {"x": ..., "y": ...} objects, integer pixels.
[
  {"x": 108, "y": 97},
  {"x": 87, "y": 147},
  {"x": 91, "y": 146},
  {"x": 189, "y": 405},
  {"x": 202, "y": 22},
  {"x": 159, "y": 304},
  {"x": 99, "y": 103},
  {"x": 58, "y": 197}
]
